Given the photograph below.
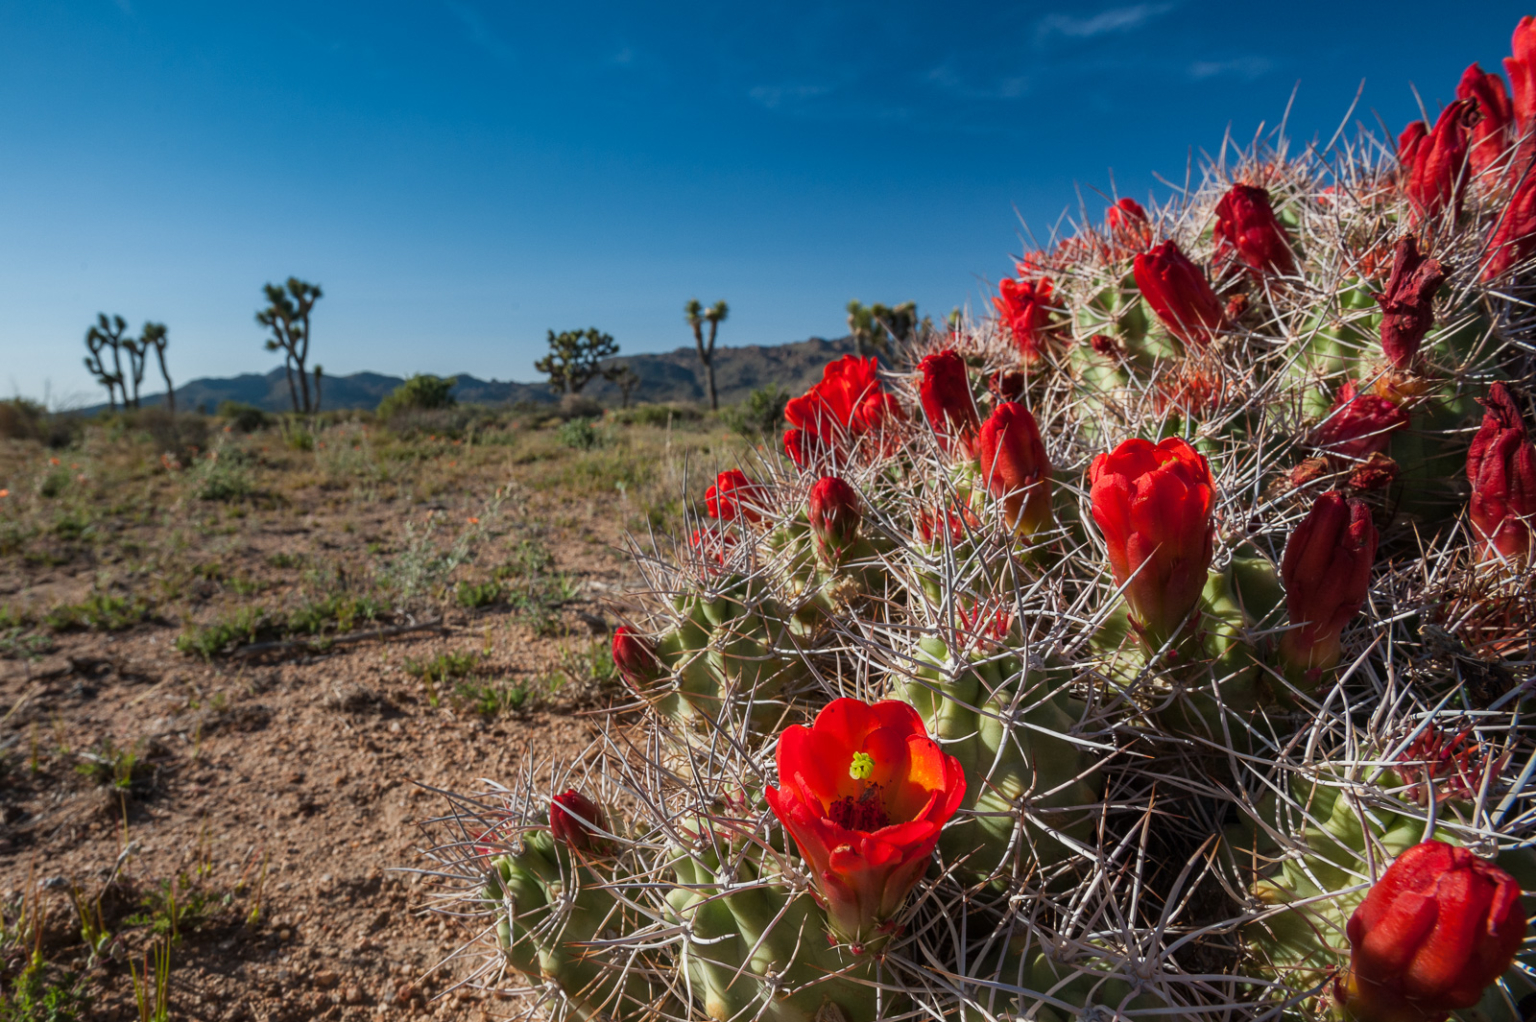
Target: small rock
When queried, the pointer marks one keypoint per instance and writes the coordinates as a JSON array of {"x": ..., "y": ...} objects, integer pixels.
[
  {"x": 326, "y": 978},
  {"x": 353, "y": 994},
  {"x": 404, "y": 994},
  {"x": 284, "y": 934}
]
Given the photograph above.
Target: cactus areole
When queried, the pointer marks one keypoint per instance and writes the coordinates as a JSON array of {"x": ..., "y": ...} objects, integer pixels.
[
  {"x": 864, "y": 793},
  {"x": 1439, "y": 926}
]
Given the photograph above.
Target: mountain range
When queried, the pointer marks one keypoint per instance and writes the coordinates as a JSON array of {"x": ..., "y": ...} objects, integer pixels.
[{"x": 674, "y": 376}]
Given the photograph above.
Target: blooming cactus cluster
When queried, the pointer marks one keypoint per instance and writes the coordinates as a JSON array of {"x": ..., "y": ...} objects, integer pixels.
[{"x": 1158, "y": 648}]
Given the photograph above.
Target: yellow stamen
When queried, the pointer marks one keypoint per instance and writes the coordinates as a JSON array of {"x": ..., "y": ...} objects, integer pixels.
[{"x": 862, "y": 766}]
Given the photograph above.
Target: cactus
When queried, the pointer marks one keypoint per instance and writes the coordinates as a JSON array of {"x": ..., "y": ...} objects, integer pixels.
[{"x": 1173, "y": 561}]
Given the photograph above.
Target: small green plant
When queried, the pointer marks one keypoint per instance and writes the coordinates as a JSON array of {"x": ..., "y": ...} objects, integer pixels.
[
  {"x": 472, "y": 595},
  {"x": 102, "y": 612},
  {"x": 297, "y": 436},
  {"x": 440, "y": 670},
  {"x": 125, "y": 769},
  {"x": 175, "y": 906},
  {"x": 244, "y": 418},
  {"x": 337, "y": 613},
  {"x": 421, "y": 391},
  {"x": 490, "y": 699},
  {"x": 208, "y": 641},
  {"x": 152, "y": 990},
  {"x": 222, "y": 474},
  {"x": 581, "y": 435},
  {"x": 761, "y": 415},
  {"x": 284, "y": 559},
  {"x": 53, "y": 484},
  {"x": 35, "y": 997}
]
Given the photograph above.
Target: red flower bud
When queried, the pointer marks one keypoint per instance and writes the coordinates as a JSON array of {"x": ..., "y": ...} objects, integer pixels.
[
  {"x": 1153, "y": 504},
  {"x": 1178, "y": 292},
  {"x": 1015, "y": 469},
  {"x": 934, "y": 526},
  {"x": 1501, "y": 465},
  {"x": 833, "y": 511},
  {"x": 864, "y": 793},
  {"x": 1246, "y": 227},
  {"x": 1104, "y": 345},
  {"x": 733, "y": 497},
  {"x": 1024, "y": 306},
  {"x": 635, "y": 658},
  {"x": 1125, "y": 214},
  {"x": 1128, "y": 228},
  {"x": 1494, "y": 131},
  {"x": 1514, "y": 234},
  {"x": 1407, "y": 307},
  {"x": 1522, "y": 73},
  {"x": 1326, "y": 569},
  {"x": 945, "y": 391},
  {"x": 1358, "y": 425},
  {"x": 1436, "y": 161},
  {"x": 1437, "y": 928},
  {"x": 576, "y": 822}
]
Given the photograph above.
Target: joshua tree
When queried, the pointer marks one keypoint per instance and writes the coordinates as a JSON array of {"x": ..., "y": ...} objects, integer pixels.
[
  {"x": 697, "y": 316},
  {"x": 154, "y": 336},
  {"x": 873, "y": 327},
  {"x": 107, "y": 333},
  {"x": 287, "y": 316},
  {"x": 627, "y": 380},
  {"x": 575, "y": 357},
  {"x": 137, "y": 349}
]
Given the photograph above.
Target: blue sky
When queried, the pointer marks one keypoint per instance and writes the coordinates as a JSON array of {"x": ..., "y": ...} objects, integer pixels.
[{"x": 461, "y": 176}]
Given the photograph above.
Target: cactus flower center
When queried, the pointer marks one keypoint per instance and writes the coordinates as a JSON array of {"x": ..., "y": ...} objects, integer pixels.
[{"x": 862, "y": 765}]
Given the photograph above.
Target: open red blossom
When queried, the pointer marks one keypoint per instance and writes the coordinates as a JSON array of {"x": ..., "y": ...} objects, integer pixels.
[
  {"x": 1407, "y": 307},
  {"x": 733, "y": 496},
  {"x": 1153, "y": 504},
  {"x": 1358, "y": 425},
  {"x": 1178, "y": 292},
  {"x": 1514, "y": 234},
  {"x": 1024, "y": 307},
  {"x": 576, "y": 821},
  {"x": 864, "y": 793},
  {"x": 635, "y": 657},
  {"x": 1247, "y": 228},
  {"x": 795, "y": 441},
  {"x": 1436, "y": 161},
  {"x": 1501, "y": 465},
  {"x": 1495, "y": 129},
  {"x": 1326, "y": 569},
  {"x": 1015, "y": 468},
  {"x": 848, "y": 403},
  {"x": 834, "y": 515},
  {"x": 1437, "y": 928},
  {"x": 1522, "y": 73},
  {"x": 945, "y": 391}
]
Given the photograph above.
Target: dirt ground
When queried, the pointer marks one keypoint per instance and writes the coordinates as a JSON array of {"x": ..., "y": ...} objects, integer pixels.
[{"x": 254, "y": 808}]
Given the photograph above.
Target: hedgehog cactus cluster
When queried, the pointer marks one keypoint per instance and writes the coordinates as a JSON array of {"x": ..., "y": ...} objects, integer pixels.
[{"x": 1155, "y": 648}]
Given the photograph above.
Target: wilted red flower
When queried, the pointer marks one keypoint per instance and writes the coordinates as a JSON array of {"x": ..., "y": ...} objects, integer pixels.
[
  {"x": 1494, "y": 131},
  {"x": 864, "y": 793},
  {"x": 712, "y": 545},
  {"x": 1326, "y": 569},
  {"x": 1436, "y": 160},
  {"x": 1006, "y": 384},
  {"x": 1024, "y": 306},
  {"x": 1125, "y": 214},
  {"x": 848, "y": 403},
  {"x": 635, "y": 657},
  {"x": 1178, "y": 292},
  {"x": 1444, "y": 766},
  {"x": 1128, "y": 228},
  {"x": 575, "y": 821},
  {"x": 1514, "y": 236},
  {"x": 1015, "y": 469},
  {"x": 1153, "y": 504},
  {"x": 1437, "y": 928},
  {"x": 834, "y": 516},
  {"x": 1104, "y": 345},
  {"x": 1501, "y": 465},
  {"x": 1358, "y": 425},
  {"x": 1407, "y": 307},
  {"x": 1247, "y": 228},
  {"x": 952, "y": 522},
  {"x": 945, "y": 391},
  {"x": 1522, "y": 73},
  {"x": 733, "y": 497}
]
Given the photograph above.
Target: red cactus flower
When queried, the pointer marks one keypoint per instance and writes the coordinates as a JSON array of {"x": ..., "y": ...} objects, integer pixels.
[
  {"x": 1015, "y": 468},
  {"x": 848, "y": 403},
  {"x": 1153, "y": 504},
  {"x": 1441, "y": 766},
  {"x": 575, "y": 821},
  {"x": 945, "y": 391},
  {"x": 795, "y": 441},
  {"x": 1006, "y": 385},
  {"x": 1494, "y": 131},
  {"x": 864, "y": 793},
  {"x": 1247, "y": 228},
  {"x": 1436, "y": 161},
  {"x": 711, "y": 545},
  {"x": 951, "y": 524},
  {"x": 733, "y": 496},
  {"x": 1437, "y": 928},
  {"x": 1178, "y": 292},
  {"x": 1407, "y": 307},
  {"x": 635, "y": 658},
  {"x": 1128, "y": 228},
  {"x": 1514, "y": 235},
  {"x": 1358, "y": 425},
  {"x": 1024, "y": 306},
  {"x": 1125, "y": 214},
  {"x": 1522, "y": 73},
  {"x": 834, "y": 515},
  {"x": 1501, "y": 465},
  {"x": 1326, "y": 569}
]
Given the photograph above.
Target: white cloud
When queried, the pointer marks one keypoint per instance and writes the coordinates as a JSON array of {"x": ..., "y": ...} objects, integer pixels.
[
  {"x": 1247, "y": 68},
  {"x": 1116, "y": 19}
]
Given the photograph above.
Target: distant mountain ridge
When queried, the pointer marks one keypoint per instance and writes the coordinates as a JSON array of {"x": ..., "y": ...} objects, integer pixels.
[{"x": 668, "y": 376}]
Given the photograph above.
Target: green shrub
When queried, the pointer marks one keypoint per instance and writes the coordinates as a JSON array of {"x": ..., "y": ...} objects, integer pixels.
[
  {"x": 101, "y": 612},
  {"x": 471, "y": 595},
  {"x": 421, "y": 391},
  {"x": 244, "y": 418},
  {"x": 580, "y": 434},
  {"x": 657, "y": 415},
  {"x": 21, "y": 419},
  {"x": 488, "y": 699},
  {"x": 761, "y": 415},
  {"x": 208, "y": 641}
]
